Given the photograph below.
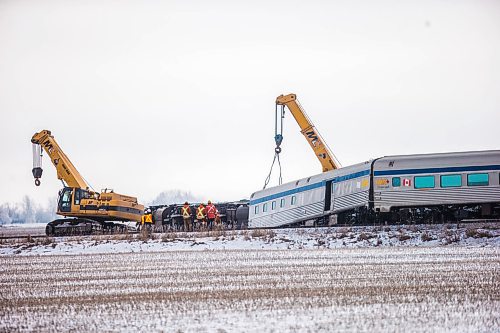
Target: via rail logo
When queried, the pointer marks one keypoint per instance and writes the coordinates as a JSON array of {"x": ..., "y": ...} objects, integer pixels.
[{"x": 382, "y": 182}]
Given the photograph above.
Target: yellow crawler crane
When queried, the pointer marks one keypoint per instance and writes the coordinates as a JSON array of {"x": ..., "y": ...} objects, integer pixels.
[
  {"x": 89, "y": 211},
  {"x": 321, "y": 150}
]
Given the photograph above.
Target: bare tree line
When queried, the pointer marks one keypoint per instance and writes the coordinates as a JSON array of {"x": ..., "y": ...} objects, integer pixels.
[
  {"x": 174, "y": 196},
  {"x": 28, "y": 211}
]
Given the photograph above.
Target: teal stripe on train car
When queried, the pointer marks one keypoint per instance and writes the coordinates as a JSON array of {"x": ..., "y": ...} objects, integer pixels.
[{"x": 310, "y": 187}]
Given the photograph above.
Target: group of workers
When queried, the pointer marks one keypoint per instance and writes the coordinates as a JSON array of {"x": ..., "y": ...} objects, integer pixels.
[{"x": 205, "y": 216}]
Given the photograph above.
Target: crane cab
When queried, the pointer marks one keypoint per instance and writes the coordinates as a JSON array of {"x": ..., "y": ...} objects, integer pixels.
[
  {"x": 70, "y": 199},
  {"x": 104, "y": 206}
]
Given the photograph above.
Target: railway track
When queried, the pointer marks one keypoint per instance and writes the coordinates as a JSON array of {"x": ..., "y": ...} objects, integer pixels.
[{"x": 41, "y": 236}]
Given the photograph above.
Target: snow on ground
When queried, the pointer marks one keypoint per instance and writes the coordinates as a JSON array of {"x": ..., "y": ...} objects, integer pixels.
[
  {"x": 362, "y": 279},
  {"x": 24, "y": 229},
  {"x": 23, "y": 225},
  {"x": 369, "y": 289},
  {"x": 279, "y": 239}
]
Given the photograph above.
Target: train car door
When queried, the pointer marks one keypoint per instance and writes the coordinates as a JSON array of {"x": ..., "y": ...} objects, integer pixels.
[{"x": 328, "y": 195}]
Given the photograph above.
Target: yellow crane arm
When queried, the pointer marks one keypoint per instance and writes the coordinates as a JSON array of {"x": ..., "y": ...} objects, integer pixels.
[
  {"x": 66, "y": 171},
  {"x": 323, "y": 153}
]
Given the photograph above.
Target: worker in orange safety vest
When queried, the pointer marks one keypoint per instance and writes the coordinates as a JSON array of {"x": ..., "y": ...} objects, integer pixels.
[
  {"x": 186, "y": 216},
  {"x": 211, "y": 214},
  {"x": 147, "y": 220},
  {"x": 200, "y": 216}
]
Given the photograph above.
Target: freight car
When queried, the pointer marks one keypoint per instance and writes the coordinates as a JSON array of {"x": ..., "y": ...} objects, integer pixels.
[
  {"x": 233, "y": 215},
  {"x": 423, "y": 188}
]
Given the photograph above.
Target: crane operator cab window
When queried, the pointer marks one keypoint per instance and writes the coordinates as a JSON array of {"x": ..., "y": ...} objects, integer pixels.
[
  {"x": 65, "y": 199},
  {"x": 81, "y": 194}
]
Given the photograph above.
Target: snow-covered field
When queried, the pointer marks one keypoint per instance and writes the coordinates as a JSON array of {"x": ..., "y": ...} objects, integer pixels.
[
  {"x": 415, "y": 279},
  {"x": 413, "y": 289},
  {"x": 24, "y": 229}
]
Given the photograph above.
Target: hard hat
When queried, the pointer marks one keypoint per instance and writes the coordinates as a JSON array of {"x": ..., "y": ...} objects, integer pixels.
[{"x": 209, "y": 202}]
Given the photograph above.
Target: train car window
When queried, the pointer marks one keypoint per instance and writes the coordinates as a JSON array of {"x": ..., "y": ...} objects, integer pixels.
[
  {"x": 424, "y": 182},
  {"x": 396, "y": 181},
  {"x": 273, "y": 205},
  {"x": 282, "y": 203},
  {"x": 294, "y": 200},
  {"x": 478, "y": 179},
  {"x": 451, "y": 180},
  {"x": 256, "y": 210},
  {"x": 264, "y": 207}
]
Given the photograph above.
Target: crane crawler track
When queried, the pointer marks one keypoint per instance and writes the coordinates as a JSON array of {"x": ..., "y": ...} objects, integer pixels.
[{"x": 82, "y": 226}]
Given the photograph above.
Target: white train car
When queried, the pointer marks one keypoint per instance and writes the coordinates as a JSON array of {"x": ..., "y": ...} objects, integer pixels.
[
  {"x": 407, "y": 188},
  {"x": 313, "y": 200},
  {"x": 450, "y": 183},
  {"x": 288, "y": 203},
  {"x": 351, "y": 188}
]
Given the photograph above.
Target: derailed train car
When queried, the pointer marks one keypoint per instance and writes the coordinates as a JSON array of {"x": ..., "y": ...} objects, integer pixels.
[
  {"x": 410, "y": 188},
  {"x": 232, "y": 215}
]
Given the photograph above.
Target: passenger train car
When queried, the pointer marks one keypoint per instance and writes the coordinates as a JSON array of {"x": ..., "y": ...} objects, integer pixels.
[{"x": 410, "y": 188}]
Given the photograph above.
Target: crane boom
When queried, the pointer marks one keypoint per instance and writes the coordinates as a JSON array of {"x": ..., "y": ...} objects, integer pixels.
[
  {"x": 307, "y": 128},
  {"x": 66, "y": 171}
]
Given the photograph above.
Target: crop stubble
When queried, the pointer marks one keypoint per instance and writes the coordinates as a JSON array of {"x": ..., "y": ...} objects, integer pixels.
[{"x": 412, "y": 289}]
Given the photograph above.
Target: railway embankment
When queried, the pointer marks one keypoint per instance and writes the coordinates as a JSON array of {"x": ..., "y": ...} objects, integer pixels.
[{"x": 470, "y": 234}]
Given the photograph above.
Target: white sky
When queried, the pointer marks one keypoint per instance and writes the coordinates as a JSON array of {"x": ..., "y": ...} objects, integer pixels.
[{"x": 146, "y": 96}]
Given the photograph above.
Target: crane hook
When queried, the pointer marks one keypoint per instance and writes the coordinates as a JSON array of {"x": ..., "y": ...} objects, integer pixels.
[
  {"x": 278, "y": 128},
  {"x": 37, "y": 173}
]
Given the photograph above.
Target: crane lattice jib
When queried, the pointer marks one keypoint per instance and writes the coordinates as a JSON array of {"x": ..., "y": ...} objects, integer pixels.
[
  {"x": 321, "y": 150},
  {"x": 66, "y": 171}
]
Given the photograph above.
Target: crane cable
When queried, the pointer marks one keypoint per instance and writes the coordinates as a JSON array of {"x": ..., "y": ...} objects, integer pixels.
[
  {"x": 276, "y": 157},
  {"x": 278, "y": 138},
  {"x": 37, "y": 156}
]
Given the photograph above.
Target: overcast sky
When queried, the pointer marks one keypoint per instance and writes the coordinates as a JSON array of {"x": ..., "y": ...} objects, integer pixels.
[{"x": 146, "y": 96}]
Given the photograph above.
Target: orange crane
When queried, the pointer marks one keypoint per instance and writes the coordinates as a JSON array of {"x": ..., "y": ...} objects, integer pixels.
[
  {"x": 89, "y": 211},
  {"x": 307, "y": 128}
]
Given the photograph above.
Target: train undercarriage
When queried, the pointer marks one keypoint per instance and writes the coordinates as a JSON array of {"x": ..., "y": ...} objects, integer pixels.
[{"x": 438, "y": 214}]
